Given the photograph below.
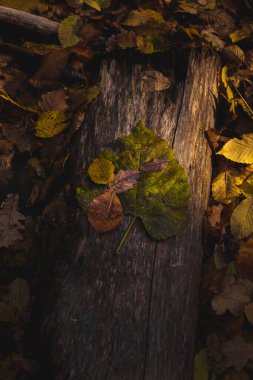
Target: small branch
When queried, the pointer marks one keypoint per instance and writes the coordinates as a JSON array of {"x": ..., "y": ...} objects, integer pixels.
[{"x": 29, "y": 22}]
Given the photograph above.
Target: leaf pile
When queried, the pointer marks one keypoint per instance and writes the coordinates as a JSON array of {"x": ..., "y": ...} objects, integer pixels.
[{"x": 151, "y": 183}]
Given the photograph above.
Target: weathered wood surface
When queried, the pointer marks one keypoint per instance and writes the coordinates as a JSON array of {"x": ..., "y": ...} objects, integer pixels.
[
  {"x": 131, "y": 316},
  {"x": 27, "y": 21}
]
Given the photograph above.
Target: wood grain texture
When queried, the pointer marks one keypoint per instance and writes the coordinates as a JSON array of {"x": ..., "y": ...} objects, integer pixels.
[
  {"x": 28, "y": 21},
  {"x": 133, "y": 316}
]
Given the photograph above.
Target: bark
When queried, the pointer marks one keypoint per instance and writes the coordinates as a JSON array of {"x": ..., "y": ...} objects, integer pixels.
[
  {"x": 130, "y": 316},
  {"x": 28, "y": 22}
]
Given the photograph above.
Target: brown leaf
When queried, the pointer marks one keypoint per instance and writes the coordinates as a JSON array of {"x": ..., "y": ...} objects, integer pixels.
[
  {"x": 214, "y": 217},
  {"x": 244, "y": 260},
  {"x": 6, "y": 154},
  {"x": 51, "y": 66},
  {"x": 232, "y": 297},
  {"x": 237, "y": 352},
  {"x": 248, "y": 311},
  {"x": 155, "y": 165},
  {"x": 105, "y": 212},
  {"x": 11, "y": 221},
  {"x": 124, "y": 180},
  {"x": 54, "y": 101},
  {"x": 18, "y": 135}
]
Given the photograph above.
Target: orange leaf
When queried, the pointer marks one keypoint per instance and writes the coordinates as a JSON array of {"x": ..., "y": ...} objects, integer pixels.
[{"x": 105, "y": 212}]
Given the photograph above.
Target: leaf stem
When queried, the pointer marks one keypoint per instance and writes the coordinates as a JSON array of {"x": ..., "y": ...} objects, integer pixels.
[{"x": 125, "y": 235}]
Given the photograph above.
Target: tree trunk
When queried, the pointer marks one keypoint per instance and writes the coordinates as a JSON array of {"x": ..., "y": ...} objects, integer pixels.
[{"x": 130, "y": 316}]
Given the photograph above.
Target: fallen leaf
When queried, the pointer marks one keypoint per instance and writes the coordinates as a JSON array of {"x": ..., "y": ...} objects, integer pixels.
[
  {"x": 232, "y": 297},
  {"x": 214, "y": 217},
  {"x": 97, "y": 4},
  {"x": 66, "y": 31},
  {"x": 201, "y": 369},
  {"x": 6, "y": 154},
  {"x": 154, "y": 80},
  {"x": 50, "y": 124},
  {"x": 237, "y": 352},
  {"x": 244, "y": 260},
  {"x": 240, "y": 34},
  {"x": 142, "y": 16},
  {"x": 25, "y": 5},
  {"x": 11, "y": 221},
  {"x": 85, "y": 196},
  {"x": 124, "y": 180},
  {"x": 242, "y": 219},
  {"x": 7, "y": 314},
  {"x": 248, "y": 311},
  {"x": 225, "y": 186},
  {"x": 105, "y": 212},
  {"x": 54, "y": 101},
  {"x": 160, "y": 198},
  {"x": 18, "y": 296},
  {"x": 154, "y": 165},
  {"x": 17, "y": 134},
  {"x": 101, "y": 171},
  {"x": 239, "y": 150}
]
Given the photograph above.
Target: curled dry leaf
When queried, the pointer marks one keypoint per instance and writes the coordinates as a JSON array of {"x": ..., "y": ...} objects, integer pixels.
[
  {"x": 11, "y": 221},
  {"x": 101, "y": 171},
  {"x": 124, "y": 180},
  {"x": 232, "y": 297},
  {"x": 54, "y": 101},
  {"x": 155, "y": 165},
  {"x": 105, "y": 212}
]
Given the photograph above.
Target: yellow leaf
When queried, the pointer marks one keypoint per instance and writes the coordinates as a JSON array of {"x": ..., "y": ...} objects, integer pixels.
[
  {"x": 224, "y": 187},
  {"x": 66, "y": 31},
  {"x": 225, "y": 78},
  {"x": 142, "y": 16},
  {"x": 5, "y": 96},
  {"x": 242, "y": 219},
  {"x": 50, "y": 124},
  {"x": 101, "y": 171},
  {"x": 240, "y": 34},
  {"x": 201, "y": 368},
  {"x": 239, "y": 150},
  {"x": 93, "y": 4},
  {"x": 25, "y": 5}
]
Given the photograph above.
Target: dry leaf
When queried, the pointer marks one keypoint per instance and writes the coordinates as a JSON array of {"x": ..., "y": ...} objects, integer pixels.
[
  {"x": 124, "y": 180},
  {"x": 155, "y": 165},
  {"x": 244, "y": 260},
  {"x": 232, "y": 297},
  {"x": 237, "y": 352},
  {"x": 54, "y": 101},
  {"x": 214, "y": 217},
  {"x": 248, "y": 311},
  {"x": 225, "y": 186},
  {"x": 11, "y": 221},
  {"x": 51, "y": 67},
  {"x": 105, "y": 212},
  {"x": 6, "y": 154},
  {"x": 101, "y": 171}
]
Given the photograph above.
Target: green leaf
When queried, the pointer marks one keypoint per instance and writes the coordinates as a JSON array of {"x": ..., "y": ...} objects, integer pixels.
[
  {"x": 159, "y": 198},
  {"x": 201, "y": 368},
  {"x": 85, "y": 196},
  {"x": 66, "y": 31},
  {"x": 242, "y": 219},
  {"x": 101, "y": 171},
  {"x": 225, "y": 187},
  {"x": 239, "y": 150},
  {"x": 50, "y": 124}
]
